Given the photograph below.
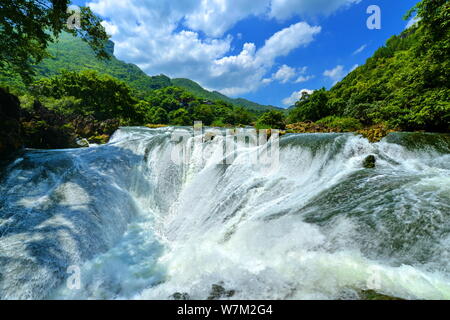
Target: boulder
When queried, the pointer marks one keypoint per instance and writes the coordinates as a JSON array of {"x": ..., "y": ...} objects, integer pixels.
[{"x": 219, "y": 292}]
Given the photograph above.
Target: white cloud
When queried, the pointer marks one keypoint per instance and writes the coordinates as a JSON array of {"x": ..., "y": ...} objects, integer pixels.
[
  {"x": 215, "y": 17},
  {"x": 303, "y": 79},
  {"x": 285, "y": 9},
  {"x": 335, "y": 74},
  {"x": 286, "y": 74},
  {"x": 413, "y": 21},
  {"x": 233, "y": 75},
  {"x": 360, "y": 49},
  {"x": 338, "y": 73},
  {"x": 188, "y": 38},
  {"x": 288, "y": 39},
  {"x": 295, "y": 96},
  {"x": 354, "y": 67}
]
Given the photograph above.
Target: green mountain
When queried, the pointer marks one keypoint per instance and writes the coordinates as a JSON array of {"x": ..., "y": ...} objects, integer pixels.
[
  {"x": 194, "y": 88},
  {"x": 72, "y": 54}
]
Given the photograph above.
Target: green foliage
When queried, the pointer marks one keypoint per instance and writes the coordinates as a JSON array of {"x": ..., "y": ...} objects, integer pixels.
[
  {"x": 72, "y": 54},
  {"x": 341, "y": 123},
  {"x": 102, "y": 96},
  {"x": 172, "y": 99},
  {"x": 311, "y": 108},
  {"x": 215, "y": 96},
  {"x": 271, "y": 120},
  {"x": 27, "y": 27},
  {"x": 180, "y": 117},
  {"x": 157, "y": 115},
  {"x": 405, "y": 84}
]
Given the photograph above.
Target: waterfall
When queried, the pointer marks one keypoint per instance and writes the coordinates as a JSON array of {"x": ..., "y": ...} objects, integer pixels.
[{"x": 138, "y": 225}]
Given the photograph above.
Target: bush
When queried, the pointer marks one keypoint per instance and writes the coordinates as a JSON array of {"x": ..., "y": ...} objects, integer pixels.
[
  {"x": 341, "y": 123},
  {"x": 271, "y": 120}
]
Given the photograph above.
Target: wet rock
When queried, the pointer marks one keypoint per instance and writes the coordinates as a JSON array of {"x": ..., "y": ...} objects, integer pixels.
[
  {"x": 309, "y": 127},
  {"x": 10, "y": 128},
  {"x": 180, "y": 296},
  {"x": 376, "y": 133},
  {"x": 101, "y": 139},
  {"x": 219, "y": 292},
  {"x": 83, "y": 143},
  {"x": 369, "y": 162},
  {"x": 209, "y": 136},
  {"x": 88, "y": 126}
]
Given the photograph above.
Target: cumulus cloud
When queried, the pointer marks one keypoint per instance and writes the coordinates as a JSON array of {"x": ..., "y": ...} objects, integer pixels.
[
  {"x": 285, "y": 74},
  {"x": 295, "y": 96},
  {"x": 188, "y": 38},
  {"x": 215, "y": 17}
]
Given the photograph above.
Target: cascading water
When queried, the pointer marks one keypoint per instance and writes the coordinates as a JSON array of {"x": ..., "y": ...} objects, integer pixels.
[{"x": 138, "y": 225}]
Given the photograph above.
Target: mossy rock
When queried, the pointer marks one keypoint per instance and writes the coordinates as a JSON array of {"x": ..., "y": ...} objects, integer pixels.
[
  {"x": 156, "y": 126},
  {"x": 101, "y": 139},
  {"x": 219, "y": 292},
  {"x": 370, "y": 162},
  {"x": 309, "y": 127},
  {"x": 375, "y": 133},
  {"x": 180, "y": 296}
]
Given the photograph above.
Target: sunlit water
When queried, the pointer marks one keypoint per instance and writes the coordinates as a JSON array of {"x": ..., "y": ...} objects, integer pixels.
[{"x": 140, "y": 226}]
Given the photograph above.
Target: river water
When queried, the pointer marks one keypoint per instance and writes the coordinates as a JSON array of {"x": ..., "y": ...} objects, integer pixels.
[{"x": 126, "y": 221}]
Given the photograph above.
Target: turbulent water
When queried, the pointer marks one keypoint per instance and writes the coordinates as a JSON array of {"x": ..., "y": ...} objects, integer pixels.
[{"x": 138, "y": 225}]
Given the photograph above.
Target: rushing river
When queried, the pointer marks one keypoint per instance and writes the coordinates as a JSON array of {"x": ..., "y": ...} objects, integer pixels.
[{"x": 131, "y": 223}]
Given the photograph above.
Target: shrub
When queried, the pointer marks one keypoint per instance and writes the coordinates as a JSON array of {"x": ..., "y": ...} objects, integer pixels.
[{"x": 344, "y": 124}]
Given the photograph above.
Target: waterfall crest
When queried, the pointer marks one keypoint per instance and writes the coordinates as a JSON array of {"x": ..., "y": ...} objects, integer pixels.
[{"x": 140, "y": 226}]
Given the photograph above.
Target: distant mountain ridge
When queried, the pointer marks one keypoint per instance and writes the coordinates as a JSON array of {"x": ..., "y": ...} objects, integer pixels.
[
  {"x": 72, "y": 54},
  {"x": 197, "y": 90}
]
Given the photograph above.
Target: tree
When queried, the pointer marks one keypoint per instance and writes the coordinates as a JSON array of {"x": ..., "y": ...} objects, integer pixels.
[
  {"x": 157, "y": 115},
  {"x": 103, "y": 96},
  {"x": 313, "y": 108},
  {"x": 27, "y": 27},
  {"x": 204, "y": 113},
  {"x": 180, "y": 117},
  {"x": 272, "y": 119}
]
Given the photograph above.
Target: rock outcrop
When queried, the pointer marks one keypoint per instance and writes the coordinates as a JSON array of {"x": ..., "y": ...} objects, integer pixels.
[{"x": 10, "y": 128}]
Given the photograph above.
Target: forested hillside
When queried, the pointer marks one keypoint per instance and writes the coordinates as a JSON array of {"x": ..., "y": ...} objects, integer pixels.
[
  {"x": 405, "y": 85},
  {"x": 197, "y": 90},
  {"x": 72, "y": 54}
]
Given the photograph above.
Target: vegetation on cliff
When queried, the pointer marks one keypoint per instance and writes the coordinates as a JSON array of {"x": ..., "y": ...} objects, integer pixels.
[{"x": 404, "y": 85}]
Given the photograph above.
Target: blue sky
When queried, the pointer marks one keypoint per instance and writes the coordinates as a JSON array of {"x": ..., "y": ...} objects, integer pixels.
[{"x": 267, "y": 51}]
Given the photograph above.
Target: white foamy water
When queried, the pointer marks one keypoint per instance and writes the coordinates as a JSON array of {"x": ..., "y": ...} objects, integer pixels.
[{"x": 139, "y": 226}]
